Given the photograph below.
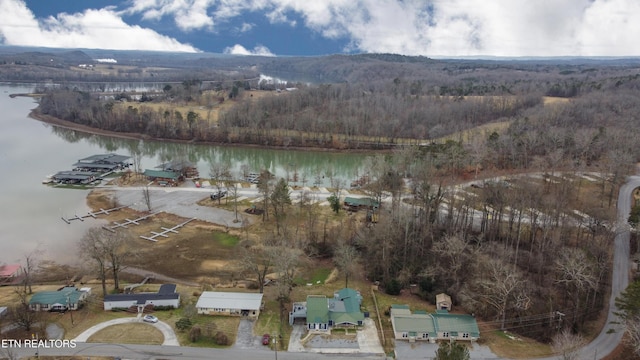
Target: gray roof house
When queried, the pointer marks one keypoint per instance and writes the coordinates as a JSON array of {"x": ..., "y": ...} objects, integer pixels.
[
  {"x": 229, "y": 303},
  {"x": 166, "y": 296}
]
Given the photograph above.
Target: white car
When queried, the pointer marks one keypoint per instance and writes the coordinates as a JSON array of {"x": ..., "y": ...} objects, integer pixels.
[{"x": 150, "y": 319}]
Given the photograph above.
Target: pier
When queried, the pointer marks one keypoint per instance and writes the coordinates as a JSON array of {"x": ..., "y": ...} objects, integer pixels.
[
  {"x": 165, "y": 231},
  {"x": 92, "y": 214}
]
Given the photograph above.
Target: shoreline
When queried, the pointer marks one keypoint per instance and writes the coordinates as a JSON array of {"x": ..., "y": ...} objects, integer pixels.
[{"x": 34, "y": 114}]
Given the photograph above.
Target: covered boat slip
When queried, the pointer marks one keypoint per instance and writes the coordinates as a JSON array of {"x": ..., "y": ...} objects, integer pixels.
[{"x": 76, "y": 177}]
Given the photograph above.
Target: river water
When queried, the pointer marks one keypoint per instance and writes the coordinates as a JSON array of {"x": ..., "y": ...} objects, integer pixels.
[{"x": 30, "y": 217}]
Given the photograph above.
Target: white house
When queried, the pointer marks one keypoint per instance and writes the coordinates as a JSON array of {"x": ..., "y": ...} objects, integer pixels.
[
  {"x": 229, "y": 303},
  {"x": 166, "y": 296}
]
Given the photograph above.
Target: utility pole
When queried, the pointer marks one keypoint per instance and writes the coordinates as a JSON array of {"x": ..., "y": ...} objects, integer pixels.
[
  {"x": 275, "y": 343},
  {"x": 69, "y": 309}
]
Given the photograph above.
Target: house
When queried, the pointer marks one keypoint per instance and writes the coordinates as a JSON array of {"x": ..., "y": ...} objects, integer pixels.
[
  {"x": 441, "y": 325},
  {"x": 443, "y": 302},
  {"x": 229, "y": 303},
  {"x": 355, "y": 204},
  {"x": 162, "y": 177},
  {"x": 66, "y": 298},
  {"x": 165, "y": 297},
  {"x": 321, "y": 314},
  {"x": 10, "y": 273},
  {"x": 183, "y": 167}
]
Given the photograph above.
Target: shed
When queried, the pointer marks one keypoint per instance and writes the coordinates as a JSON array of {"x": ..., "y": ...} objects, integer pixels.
[
  {"x": 229, "y": 303},
  {"x": 443, "y": 302}
]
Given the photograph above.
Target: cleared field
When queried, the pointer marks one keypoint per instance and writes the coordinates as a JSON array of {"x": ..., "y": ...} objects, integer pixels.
[
  {"x": 550, "y": 100},
  {"x": 135, "y": 333}
]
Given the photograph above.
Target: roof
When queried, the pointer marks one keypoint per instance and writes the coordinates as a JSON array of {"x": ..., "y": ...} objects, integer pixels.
[
  {"x": 65, "y": 295},
  {"x": 105, "y": 158},
  {"x": 176, "y": 165},
  {"x": 419, "y": 323},
  {"x": 75, "y": 175},
  {"x": 230, "y": 300},
  {"x": 95, "y": 166},
  {"x": 456, "y": 323},
  {"x": 166, "y": 292},
  {"x": 161, "y": 174},
  {"x": 441, "y": 321},
  {"x": 317, "y": 310},
  {"x": 9, "y": 270},
  {"x": 351, "y": 300},
  {"x": 361, "y": 201}
]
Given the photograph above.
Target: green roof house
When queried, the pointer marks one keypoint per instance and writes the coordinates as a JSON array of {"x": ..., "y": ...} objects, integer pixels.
[
  {"x": 66, "y": 298},
  {"x": 324, "y": 313},
  {"x": 441, "y": 325},
  {"x": 317, "y": 313}
]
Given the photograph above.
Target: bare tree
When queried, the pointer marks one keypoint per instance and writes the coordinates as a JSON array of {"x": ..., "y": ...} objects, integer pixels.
[
  {"x": 91, "y": 246},
  {"x": 345, "y": 257},
  {"x": 21, "y": 313},
  {"x": 633, "y": 333},
  {"x": 502, "y": 288},
  {"x": 146, "y": 196},
  {"x": 30, "y": 266},
  {"x": 117, "y": 251},
  {"x": 220, "y": 173},
  {"x": 567, "y": 345},
  {"x": 232, "y": 185},
  {"x": 577, "y": 274},
  {"x": 280, "y": 199},
  {"x": 108, "y": 251},
  {"x": 257, "y": 260}
]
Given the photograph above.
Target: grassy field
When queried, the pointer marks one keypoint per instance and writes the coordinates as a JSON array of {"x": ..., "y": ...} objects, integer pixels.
[{"x": 135, "y": 333}]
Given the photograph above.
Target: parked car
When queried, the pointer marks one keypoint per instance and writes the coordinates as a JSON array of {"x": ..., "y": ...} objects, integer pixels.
[
  {"x": 218, "y": 194},
  {"x": 150, "y": 319},
  {"x": 266, "y": 339}
]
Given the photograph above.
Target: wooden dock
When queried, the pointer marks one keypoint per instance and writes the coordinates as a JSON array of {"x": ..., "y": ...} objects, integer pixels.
[
  {"x": 165, "y": 231},
  {"x": 128, "y": 222},
  {"x": 92, "y": 214}
]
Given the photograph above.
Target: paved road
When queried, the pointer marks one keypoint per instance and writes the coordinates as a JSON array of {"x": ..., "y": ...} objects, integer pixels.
[
  {"x": 160, "y": 352},
  {"x": 607, "y": 341}
]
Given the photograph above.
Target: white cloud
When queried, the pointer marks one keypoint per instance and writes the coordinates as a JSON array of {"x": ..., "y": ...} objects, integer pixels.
[
  {"x": 238, "y": 49},
  {"x": 102, "y": 28},
  {"x": 411, "y": 27},
  {"x": 245, "y": 27},
  {"x": 448, "y": 27}
]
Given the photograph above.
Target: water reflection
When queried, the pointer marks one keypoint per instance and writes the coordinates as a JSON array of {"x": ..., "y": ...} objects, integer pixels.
[{"x": 311, "y": 167}]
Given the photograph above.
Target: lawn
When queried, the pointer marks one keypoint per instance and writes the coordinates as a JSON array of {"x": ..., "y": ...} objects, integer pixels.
[{"x": 134, "y": 333}]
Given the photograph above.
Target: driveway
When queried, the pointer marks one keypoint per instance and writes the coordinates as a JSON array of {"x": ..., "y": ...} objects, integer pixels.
[
  {"x": 423, "y": 350},
  {"x": 245, "y": 338},
  {"x": 366, "y": 341},
  {"x": 170, "y": 338}
]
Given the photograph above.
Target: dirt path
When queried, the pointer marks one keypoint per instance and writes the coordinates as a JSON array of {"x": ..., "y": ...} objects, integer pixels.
[{"x": 144, "y": 273}]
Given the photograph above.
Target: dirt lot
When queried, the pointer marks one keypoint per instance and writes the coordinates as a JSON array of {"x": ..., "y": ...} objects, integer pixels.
[{"x": 200, "y": 252}]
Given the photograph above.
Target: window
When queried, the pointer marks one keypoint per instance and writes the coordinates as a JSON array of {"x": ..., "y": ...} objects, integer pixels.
[
  {"x": 405, "y": 335},
  {"x": 445, "y": 334},
  {"x": 425, "y": 335},
  {"x": 465, "y": 335}
]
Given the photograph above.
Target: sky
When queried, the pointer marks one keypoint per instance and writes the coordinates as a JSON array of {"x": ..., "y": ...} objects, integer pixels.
[{"x": 434, "y": 28}]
